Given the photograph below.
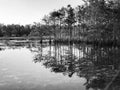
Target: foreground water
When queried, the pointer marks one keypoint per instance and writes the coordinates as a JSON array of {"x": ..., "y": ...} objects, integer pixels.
[{"x": 33, "y": 66}]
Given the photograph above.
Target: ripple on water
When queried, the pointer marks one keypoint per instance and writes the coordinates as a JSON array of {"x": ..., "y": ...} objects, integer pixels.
[
  {"x": 4, "y": 69},
  {"x": 2, "y": 83}
]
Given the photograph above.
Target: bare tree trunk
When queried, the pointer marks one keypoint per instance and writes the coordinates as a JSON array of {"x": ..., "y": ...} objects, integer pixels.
[
  {"x": 115, "y": 31},
  {"x": 60, "y": 30}
]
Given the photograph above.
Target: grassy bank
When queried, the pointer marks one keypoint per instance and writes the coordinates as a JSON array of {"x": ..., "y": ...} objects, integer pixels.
[
  {"x": 18, "y": 38},
  {"x": 66, "y": 40},
  {"x": 93, "y": 42}
]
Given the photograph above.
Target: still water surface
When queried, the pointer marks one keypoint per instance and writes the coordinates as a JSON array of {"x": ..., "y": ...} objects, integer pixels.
[{"x": 35, "y": 66}]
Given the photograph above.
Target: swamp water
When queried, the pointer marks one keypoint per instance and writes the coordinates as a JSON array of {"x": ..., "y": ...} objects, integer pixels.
[{"x": 29, "y": 65}]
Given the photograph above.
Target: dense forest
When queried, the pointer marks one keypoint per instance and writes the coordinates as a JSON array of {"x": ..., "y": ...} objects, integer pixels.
[{"x": 96, "y": 20}]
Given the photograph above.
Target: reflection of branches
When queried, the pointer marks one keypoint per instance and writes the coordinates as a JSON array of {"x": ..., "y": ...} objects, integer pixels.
[
  {"x": 96, "y": 83},
  {"x": 102, "y": 61},
  {"x": 98, "y": 65}
]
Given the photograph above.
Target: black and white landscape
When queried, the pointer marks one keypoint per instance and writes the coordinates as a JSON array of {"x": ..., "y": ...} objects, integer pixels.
[{"x": 59, "y": 45}]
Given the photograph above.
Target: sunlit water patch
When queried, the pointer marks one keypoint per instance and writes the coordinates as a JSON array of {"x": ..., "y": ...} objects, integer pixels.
[
  {"x": 29, "y": 65},
  {"x": 18, "y": 71}
]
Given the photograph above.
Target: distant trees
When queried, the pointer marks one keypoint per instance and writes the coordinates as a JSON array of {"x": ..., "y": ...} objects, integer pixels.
[
  {"x": 1, "y": 30},
  {"x": 14, "y": 30},
  {"x": 23, "y": 31}
]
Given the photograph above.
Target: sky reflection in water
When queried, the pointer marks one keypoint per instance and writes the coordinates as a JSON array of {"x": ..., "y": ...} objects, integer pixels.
[
  {"x": 19, "y": 71},
  {"x": 32, "y": 66}
]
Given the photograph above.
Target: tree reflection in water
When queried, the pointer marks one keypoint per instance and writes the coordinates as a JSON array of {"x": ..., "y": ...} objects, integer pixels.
[{"x": 97, "y": 64}]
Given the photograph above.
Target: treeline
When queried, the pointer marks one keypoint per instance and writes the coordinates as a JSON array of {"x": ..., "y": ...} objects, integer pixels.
[
  {"x": 16, "y": 30},
  {"x": 96, "y": 20}
]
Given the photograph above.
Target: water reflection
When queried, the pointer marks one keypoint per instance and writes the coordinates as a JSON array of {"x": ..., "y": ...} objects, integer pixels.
[{"x": 99, "y": 66}]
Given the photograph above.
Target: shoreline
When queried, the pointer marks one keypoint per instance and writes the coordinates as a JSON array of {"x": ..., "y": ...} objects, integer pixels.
[{"x": 75, "y": 41}]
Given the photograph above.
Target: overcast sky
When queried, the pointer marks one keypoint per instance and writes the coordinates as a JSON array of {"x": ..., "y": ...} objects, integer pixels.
[{"x": 29, "y": 11}]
